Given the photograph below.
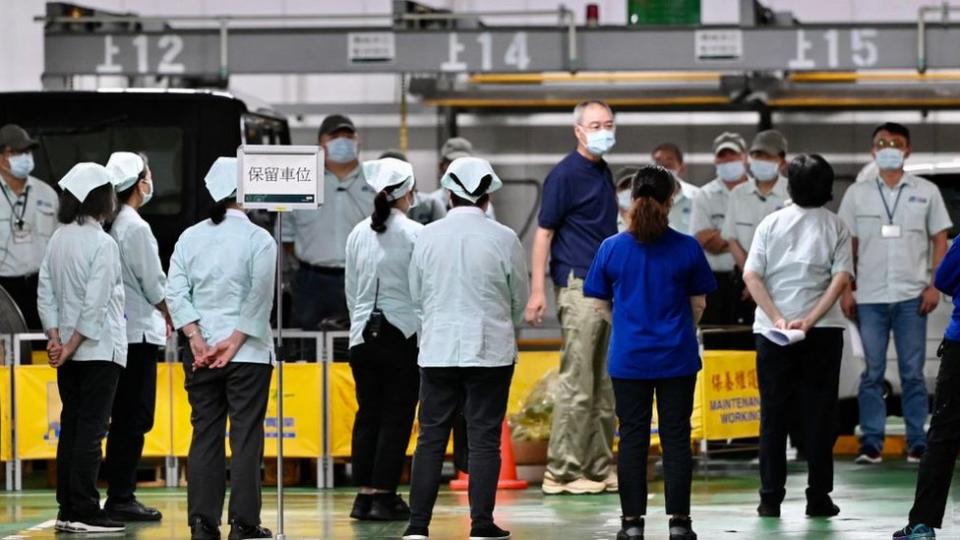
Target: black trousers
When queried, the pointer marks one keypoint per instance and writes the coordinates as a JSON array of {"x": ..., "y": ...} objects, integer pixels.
[
  {"x": 482, "y": 394},
  {"x": 133, "y": 411},
  {"x": 634, "y": 406},
  {"x": 23, "y": 290},
  {"x": 318, "y": 294},
  {"x": 86, "y": 391},
  {"x": 387, "y": 382},
  {"x": 943, "y": 442},
  {"x": 722, "y": 302},
  {"x": 240, "y": 391},
  {"x": 810, "y": 371}
]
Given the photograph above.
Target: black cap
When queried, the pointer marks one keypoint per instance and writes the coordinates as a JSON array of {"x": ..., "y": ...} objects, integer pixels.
[
  {"x": 17, "y": 138},
  {"x": 336, "y": 122},
  {"x": 653, "y": 181}
]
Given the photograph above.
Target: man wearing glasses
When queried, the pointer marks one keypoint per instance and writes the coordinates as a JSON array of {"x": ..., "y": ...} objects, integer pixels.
[
  {"x": 578, "y": 211},
  {"x": 895, "y": 217}
]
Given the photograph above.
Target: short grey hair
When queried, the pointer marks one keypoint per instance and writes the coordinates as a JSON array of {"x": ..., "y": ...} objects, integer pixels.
[{"x": 582, "y": 106}]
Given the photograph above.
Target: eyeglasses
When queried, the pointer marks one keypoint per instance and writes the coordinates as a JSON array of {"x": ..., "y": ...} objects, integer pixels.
[
  {"x": 597, "y": 126},
  {"x": 899, "y": 144}
]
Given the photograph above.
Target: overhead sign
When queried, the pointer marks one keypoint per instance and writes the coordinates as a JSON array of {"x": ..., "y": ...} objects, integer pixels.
[{"x": 280, "y": 178}]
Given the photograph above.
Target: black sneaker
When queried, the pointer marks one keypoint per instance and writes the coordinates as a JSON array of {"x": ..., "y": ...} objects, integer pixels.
[
  {"x": 61, "y": 523},
  {"x": 915, "y": 455},
  {"x": 388, "y": 507},
  {"x": 822, "y": 507},
  {"x": 361, "y": 506},
  {"x": 630, "y": 529},
  {"x": 239, "y": 531},
  {"x": 681, "y": 528},
  {"x": 916, "y": 531},
  {"x": 767, "y": 509},
  {"x": 98, "y": 523},
  {"x": 869, "y": 456},
  {"x": 488, "y": 531},
  {"x": 201, "y": 530},
  {"x": 416, "y": 533},
  {"x": 132, "y": 510}
]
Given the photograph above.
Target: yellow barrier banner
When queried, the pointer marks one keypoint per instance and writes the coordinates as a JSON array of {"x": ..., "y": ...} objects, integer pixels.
[
  {"x": 530, "y": 368},
  {"x": 302, "y": 412},
  {"x": 6, "y": 444},
  {"x": 159, "y": 441},
  {"x": 729, "y": 395},
  {"x": 37, "y": 412}
]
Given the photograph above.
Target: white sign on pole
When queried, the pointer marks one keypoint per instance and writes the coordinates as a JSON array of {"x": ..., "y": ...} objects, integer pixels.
[{"x": 280, "y": 178}]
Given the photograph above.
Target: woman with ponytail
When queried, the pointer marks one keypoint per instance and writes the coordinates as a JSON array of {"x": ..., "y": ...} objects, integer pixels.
[
  {"x": 650, "y": 282},
  {"x": 383, "y": 340}
]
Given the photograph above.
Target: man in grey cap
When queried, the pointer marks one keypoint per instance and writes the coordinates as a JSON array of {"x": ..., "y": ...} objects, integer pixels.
[
  {"x": 453, "y": 148},
  {"x": 707, "y": 220},
  {"x": 28, "y": 217},
  {"x": 763, "y": 194},
  {"x": 318, "y": 238}
]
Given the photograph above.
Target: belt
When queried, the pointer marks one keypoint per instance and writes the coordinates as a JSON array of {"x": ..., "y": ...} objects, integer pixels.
[
  {"x": 325, "y": 270},
  {"x": 12, "y": 279}
]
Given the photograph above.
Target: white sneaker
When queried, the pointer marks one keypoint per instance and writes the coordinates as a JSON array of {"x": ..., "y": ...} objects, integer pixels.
[
  {"x": 611, "y": 482},
  {"x": 580, "y": 486},
  {"x": 96, "y": 524}
]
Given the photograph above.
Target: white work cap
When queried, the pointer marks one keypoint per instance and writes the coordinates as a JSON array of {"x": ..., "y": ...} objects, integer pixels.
[
  {"x": 126, "y": 166},
  {"x": 466, "y": 176},
  {"x": 85, "y": 177},
  {"x": 388, "y": 172},
  {"x": 221, "y": 179}
]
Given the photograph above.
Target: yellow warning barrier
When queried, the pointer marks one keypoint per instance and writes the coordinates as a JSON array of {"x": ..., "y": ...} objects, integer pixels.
[{"x": 6, "y": 450}]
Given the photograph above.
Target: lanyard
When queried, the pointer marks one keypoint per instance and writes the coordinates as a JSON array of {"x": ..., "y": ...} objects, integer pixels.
[
  {"x": 883, "y": 198},
  {"x": 13, "y": 205}
]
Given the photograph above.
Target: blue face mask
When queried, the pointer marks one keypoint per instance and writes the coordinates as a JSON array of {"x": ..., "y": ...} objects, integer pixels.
[
  {"x": 889, "y": 159},
  {"x": 763, "y": 170},
  {"x": 730, "y": 171},
  {"x": 624, "y": 200},
  {"x": 342, "y": 150},
  {"x": 21, "y": 165},
  {"x": 600, "y": 142}
]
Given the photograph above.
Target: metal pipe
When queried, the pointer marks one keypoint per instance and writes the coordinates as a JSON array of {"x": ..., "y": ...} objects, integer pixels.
[
  {"x": 945, "y": 10},
  {"x": 224, "y": 52},
  {"x": 280, "y": 358}
]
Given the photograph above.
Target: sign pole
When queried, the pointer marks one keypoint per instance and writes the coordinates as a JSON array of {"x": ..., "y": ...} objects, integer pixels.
[{"x": 280, "y": 358}]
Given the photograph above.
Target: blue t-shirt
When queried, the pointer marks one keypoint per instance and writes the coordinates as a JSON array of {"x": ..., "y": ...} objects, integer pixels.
[
  {"x": 650, "y": 284},
  {"x": 580, "y": 206},
  {"x": 947, "y": 281}
]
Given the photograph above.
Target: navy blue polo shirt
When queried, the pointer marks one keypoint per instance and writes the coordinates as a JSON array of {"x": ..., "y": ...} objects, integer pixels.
[
  {"x": 580, "y": 206},
  {"x": 650, "y": 285}
]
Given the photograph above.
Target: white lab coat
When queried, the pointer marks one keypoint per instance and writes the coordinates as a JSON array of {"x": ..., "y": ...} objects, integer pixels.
[{"x": 143, "y": 277}]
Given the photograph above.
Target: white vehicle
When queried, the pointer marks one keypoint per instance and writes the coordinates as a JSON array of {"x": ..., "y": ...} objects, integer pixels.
[{"x": 946, "y": 174}]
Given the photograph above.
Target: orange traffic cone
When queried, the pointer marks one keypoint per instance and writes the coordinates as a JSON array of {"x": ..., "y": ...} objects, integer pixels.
[{"x": 508, "y": 467}]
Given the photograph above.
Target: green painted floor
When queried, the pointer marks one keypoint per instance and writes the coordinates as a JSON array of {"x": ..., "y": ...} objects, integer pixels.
[{"x": 873, "y": 500}]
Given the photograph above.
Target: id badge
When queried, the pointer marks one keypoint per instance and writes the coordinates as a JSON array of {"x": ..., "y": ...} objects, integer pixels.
[
  {"x": 22, "y": 235},
  {"x": 890, "y": 231}
]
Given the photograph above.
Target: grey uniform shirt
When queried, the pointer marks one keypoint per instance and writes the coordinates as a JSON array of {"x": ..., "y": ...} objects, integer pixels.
[
  {"x": 80, "y": 290},
  {"x": 143, "y": 277},
  {"x": 320, "y": 236},
  {"x": 747, "y": 207},
  {"x": 709, "y": 212},
  {"x": 682, "y": 207},
  {"x": 22, "y": 248},
  {"x": 893, "y": 269},
  {"x": 797, "y": 251}
]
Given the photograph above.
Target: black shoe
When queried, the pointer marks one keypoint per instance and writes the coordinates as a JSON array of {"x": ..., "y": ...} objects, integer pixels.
[
  {"x": 388, "y": 507},
  {"x": 416, "y": 533},
  {"x": 201, "y": 530},
  {"x": 132, "y": 510},
  {"x": 630, "y": 529},
  {"x": 822, "y": 507},
  {"x": 361, "y": 507},
  {"x": 767, "y": 509},
  {"x": 239, "y": 531},
  {"x": 681, "y": 528},
  {"x": 488, "y": 531},
  {"x": 97, "y": 523}
]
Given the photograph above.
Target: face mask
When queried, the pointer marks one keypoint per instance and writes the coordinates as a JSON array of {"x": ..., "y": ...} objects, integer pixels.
[
  {"x": 342, "y": 150},
  {"x": 624, "y": 200},
  {"x": 764, "y": 170},
  {"x": 889, "y": 159},
  {"x": 148, "y": 195},
  {"x": 21, "y": 165},
  {"x": 600, "y": 142},
  {"x": 730, "y": 171}
]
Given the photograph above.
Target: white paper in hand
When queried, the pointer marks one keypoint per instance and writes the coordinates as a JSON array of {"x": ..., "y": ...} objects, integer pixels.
[
  {"x": 784, "y": 337},
  {"x": 856, "y": 343}
]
